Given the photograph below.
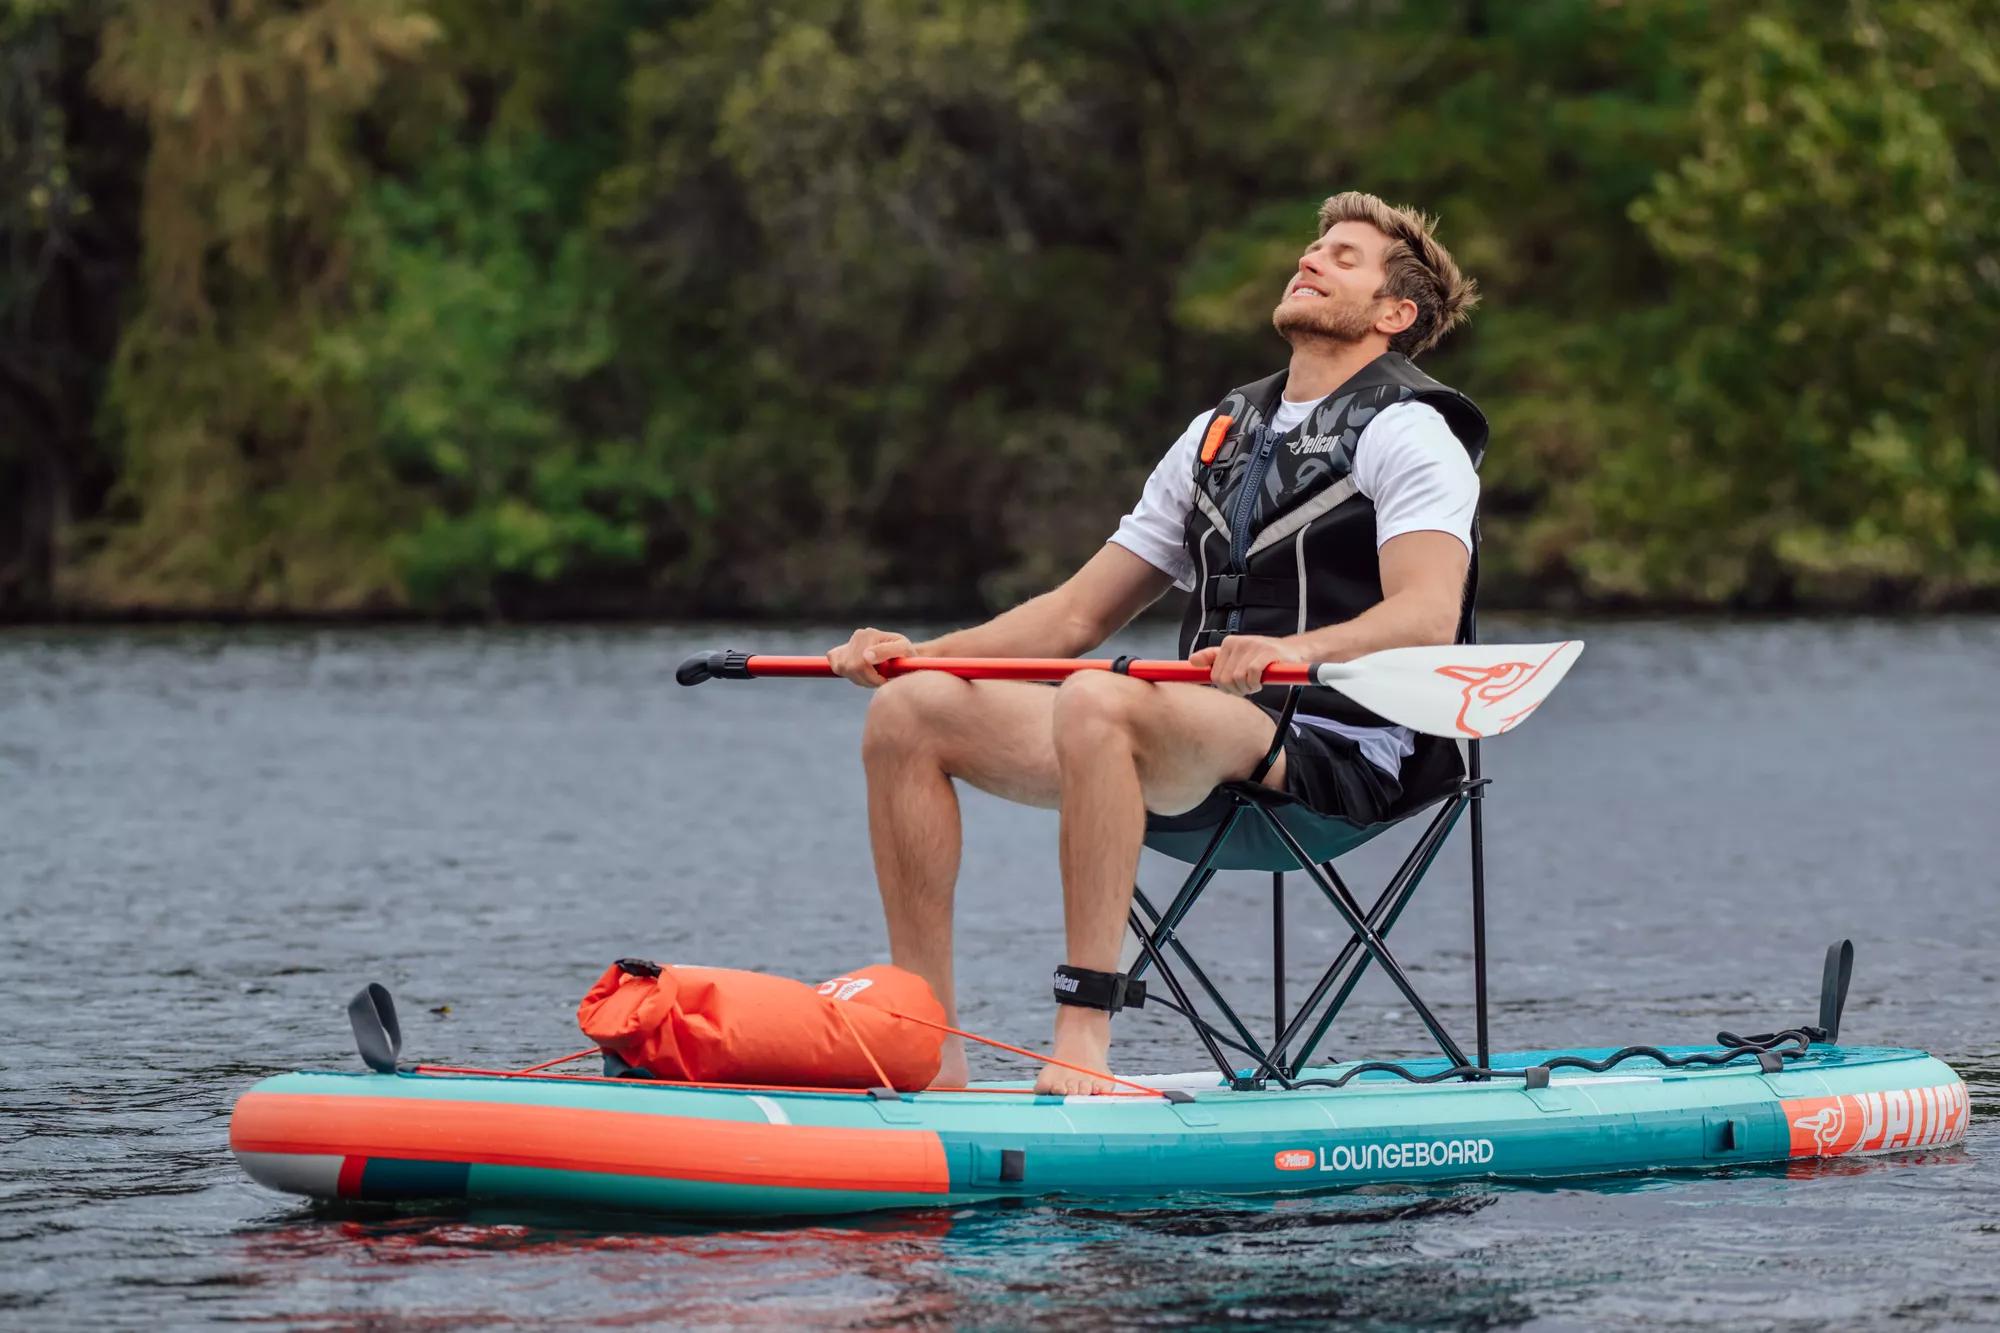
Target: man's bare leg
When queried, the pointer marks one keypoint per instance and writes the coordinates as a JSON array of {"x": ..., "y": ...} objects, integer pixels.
[
  {"x": 1123, "y": 747},
  {"x": 923, "y": 730}
]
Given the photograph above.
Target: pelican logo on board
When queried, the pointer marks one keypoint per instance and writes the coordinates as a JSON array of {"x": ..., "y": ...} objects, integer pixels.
[
  {"x": 1296, "y": 1159},
  {"x": 1868, "y": 1122},
  {"x": 1824, "y": 1125}
]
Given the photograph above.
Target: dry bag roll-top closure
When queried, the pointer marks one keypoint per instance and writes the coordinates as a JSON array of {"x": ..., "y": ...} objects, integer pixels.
[{"x": 1280, "y": 539}]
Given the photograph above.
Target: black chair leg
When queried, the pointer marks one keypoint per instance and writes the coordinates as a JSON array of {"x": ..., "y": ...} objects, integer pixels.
[
  {"x": 1367, "y": 943},
  {"x": 1222, "y": 1062},
  {"x": 1159, "y": 939},
  {"x": 1277, "y": 962},
  {"x": 1382, "y": 917},
  {"x": 1164, "y": 924},
  {"x": 1478, "y": 794},
  {"x": 1358, "y": 923}
]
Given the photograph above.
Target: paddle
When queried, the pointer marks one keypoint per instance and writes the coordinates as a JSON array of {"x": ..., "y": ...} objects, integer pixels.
[{"x": 1462, "y": 691}]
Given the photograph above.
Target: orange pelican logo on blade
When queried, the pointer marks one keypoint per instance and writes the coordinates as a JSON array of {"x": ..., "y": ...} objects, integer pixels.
[{"x": 1489, "y": 689}]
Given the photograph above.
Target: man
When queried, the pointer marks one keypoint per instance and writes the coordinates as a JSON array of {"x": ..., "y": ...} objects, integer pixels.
[{"x": 1318, "y": 515}]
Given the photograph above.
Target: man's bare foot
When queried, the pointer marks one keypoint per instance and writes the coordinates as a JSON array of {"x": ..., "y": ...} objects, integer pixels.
[
  {"x": 953, "y": 1071},
  {"x": 1083, "y": 1037}
]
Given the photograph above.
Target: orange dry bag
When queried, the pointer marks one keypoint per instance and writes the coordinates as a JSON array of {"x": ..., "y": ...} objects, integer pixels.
[{"x": 717, "y": 1025}]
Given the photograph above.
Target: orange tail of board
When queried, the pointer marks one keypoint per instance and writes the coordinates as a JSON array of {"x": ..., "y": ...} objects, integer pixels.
[{"x": 718, "y": 1025}]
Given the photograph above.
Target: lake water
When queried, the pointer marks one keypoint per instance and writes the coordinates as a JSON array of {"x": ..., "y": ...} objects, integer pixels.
[{"x": 210, "y": 838}]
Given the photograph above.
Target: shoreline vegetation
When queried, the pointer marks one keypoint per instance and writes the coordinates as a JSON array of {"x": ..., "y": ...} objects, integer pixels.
[
  {"x": 1164, "y": 616},
  {"x": 354, "y": 311}
]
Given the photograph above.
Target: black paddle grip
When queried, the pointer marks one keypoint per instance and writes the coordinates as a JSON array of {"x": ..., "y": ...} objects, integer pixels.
[{"x": 715, "y": 664}]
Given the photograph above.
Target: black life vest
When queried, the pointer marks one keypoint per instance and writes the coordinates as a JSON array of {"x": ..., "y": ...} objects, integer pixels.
[{"x": 1280, "y": 539}]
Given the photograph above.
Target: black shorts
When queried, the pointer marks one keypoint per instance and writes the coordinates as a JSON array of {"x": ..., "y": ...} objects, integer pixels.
[{"x": 1327, "y": 772}]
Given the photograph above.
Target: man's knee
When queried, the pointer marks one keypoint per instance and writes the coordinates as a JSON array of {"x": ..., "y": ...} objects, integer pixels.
[
  {"x": 903, "y": 714},
  {"x": 1095, "y": 708}
]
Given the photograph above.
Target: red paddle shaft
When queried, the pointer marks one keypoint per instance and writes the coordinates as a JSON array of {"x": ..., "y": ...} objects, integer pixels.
[{"x": 747, "y": 666}]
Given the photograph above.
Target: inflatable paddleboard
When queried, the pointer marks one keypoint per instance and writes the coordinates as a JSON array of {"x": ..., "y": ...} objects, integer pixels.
[{"x": 715, "y": 1152}]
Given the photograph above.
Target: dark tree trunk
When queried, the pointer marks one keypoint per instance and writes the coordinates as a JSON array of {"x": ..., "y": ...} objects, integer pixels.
[{"x": 69, "y": 242}]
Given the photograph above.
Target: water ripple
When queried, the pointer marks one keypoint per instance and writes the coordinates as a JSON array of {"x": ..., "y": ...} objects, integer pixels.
[{"x": 214, "y": 837}]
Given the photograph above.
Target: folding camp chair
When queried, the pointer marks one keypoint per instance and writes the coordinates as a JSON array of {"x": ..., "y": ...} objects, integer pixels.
[{"x": 1247, "y": 826}]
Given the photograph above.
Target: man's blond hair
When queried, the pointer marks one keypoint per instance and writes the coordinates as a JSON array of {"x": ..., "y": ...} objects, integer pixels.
[{"x": 1418, "y": 268}]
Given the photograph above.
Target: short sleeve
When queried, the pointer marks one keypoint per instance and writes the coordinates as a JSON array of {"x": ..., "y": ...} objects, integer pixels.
[
  {"x": 1417, "y": 473},
  {"x": 1156, "y": 529}
]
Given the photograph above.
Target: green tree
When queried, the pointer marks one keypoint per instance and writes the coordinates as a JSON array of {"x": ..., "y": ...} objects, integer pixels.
[
  {"x": 483, "y": 331},
  {"x": 915, "y": 265},
  {"x": 1829, "y": 427},
  {"x": 830, "y": 305},
  {"x": 245, "y": 483}
]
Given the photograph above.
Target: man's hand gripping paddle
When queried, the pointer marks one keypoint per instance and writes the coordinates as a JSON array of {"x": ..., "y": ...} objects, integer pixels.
[{"x": 1463, "y": 691}]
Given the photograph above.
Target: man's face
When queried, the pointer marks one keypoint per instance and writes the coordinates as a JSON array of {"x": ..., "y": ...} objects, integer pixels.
[{"x": 1335, "y": 292}]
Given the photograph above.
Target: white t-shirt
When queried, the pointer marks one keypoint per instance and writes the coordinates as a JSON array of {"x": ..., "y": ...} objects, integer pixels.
[{"x": 1407, "y": 461}]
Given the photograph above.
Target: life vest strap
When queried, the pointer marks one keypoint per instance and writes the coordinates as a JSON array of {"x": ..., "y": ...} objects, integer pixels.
[{"x": 1229, "y": 591}]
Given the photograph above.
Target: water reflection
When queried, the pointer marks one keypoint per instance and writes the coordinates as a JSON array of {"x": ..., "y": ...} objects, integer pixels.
[
  {"x": 1444, "y": 1256},
  {"x": 1351, "y": 1256}
]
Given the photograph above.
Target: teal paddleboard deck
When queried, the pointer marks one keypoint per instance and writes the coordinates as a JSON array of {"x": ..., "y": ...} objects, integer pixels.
[{"x": 718, "y": 1152}]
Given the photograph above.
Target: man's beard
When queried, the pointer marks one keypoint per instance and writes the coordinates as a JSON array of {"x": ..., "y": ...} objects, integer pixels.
[{"x": 1327, "y": 318}]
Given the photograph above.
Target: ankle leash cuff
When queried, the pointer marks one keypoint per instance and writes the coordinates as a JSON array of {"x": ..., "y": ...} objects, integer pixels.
[{"x": 1109, "y": 991}]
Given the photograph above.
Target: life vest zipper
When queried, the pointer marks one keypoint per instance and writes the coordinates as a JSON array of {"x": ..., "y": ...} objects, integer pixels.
[{"x": 1246, "y": 507}]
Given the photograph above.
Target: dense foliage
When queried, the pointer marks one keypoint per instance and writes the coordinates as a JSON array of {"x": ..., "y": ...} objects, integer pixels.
[{"x": 678, "y": 306}]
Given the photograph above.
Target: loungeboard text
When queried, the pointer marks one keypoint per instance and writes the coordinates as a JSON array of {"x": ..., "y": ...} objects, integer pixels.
[{"x": 1413, "y": 1154}]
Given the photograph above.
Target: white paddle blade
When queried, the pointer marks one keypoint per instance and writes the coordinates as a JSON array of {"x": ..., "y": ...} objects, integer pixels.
[{"x": 1466, "y": 691}]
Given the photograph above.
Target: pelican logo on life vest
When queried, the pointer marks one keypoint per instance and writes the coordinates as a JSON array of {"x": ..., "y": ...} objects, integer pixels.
[
  {"x": 1296, "y": 1159},
  {"x": 1314, "y": 444},
  {"x": 1868, "y": 1122},
  {"x": 1487, "y": 690},
  {"x": 845, "y": 988}
]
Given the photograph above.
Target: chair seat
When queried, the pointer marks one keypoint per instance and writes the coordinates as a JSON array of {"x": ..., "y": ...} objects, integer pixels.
[
  {"x": 1431, "y": 775},
  {"x": 1252, "y": 845}
]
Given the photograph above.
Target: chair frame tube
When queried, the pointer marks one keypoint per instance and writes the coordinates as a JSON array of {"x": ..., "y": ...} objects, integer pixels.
[
  {"x": 1367, "y": 942},
  {"x": 1389, "y": 907},
  {"x": 1368, "y": 932}
]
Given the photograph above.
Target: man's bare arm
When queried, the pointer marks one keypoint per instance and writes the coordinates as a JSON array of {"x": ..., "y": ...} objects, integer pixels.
[
  {"x": 1423, "y": 580},
  {"x": 1067, "y": 621},
  {"x": 1423, "y": 585}
]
